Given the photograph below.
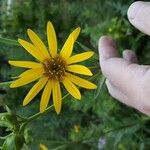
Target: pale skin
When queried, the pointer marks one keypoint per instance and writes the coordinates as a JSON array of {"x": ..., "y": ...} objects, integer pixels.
[{"x": 126, "y": 80}]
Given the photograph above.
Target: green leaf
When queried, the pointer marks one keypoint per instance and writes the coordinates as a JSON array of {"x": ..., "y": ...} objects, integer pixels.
[
  {"x": 85, "y": 48},
  {"x": 14, "y": 141},
  {"x": 5, "y": 121},
  {"x": 9, "y": 42},
  {"x": 131, "y": 130},
  {"x": 142, "y": 146},
  {"x": 9, "y": 143},
  {"x": 99, "y": 86},
  {"x": 8, "y": 109},
  {"x": 19, "y": 141},
  {"x": 61, "y": 147},
  {"x": 10, "y": 121},
  {"x": 118, "y": 137}
]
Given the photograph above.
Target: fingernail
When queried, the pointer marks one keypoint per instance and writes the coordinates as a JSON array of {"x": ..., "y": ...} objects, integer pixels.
[
  {"x": 130, "y": 56},
  {"x": 106, "y": 41},
  {"x": 134, "y": 9}
]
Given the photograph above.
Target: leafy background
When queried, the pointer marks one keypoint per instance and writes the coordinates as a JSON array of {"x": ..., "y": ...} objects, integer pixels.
[{"x": 102, "y": 122}]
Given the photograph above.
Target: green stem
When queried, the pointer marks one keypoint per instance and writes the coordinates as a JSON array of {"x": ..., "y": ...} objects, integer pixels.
[
  {"x": 128, "y": 125},
  {"x": 26, "y": 147},
  {"x": 35, "y": 116},
  {"x": 47, "y": 110},
  {"x": 93, "y": 77},
  {"x": 120, "y": 128},
  {"x": 93, "y": 67},
  {"x": 39, "y": 114},
  {"x": 5, "y": 84}
]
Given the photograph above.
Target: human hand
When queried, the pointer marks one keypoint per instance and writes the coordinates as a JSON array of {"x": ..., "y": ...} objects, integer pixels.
[{"x": 126, "y": 80}]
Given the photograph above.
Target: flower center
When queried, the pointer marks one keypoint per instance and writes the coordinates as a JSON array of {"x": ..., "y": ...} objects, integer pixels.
[{"x": 54, "y": 68}]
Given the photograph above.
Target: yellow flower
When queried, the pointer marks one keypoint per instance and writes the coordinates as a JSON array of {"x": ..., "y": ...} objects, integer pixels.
[
  {"x": 77, "y": 128},
  {"x": 52, "y": 68},
  {"x": 43, "y": 147}
]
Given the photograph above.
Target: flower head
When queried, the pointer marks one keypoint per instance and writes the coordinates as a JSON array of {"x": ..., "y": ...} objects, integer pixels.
[
  {"x": 43, "y": 147},
  {"x": 51, "y": 68}
]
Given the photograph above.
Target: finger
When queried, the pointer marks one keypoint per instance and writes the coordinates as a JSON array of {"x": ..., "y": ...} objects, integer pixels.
[
  {"x": 117, "y": 70},
  {"x": 116, "y": 93},
  {"x": 130, "y": 56},
  {"x": 112, "y": 66},
  {"x": 139, "y": 16},
  {"x": 107, "y": 48}
]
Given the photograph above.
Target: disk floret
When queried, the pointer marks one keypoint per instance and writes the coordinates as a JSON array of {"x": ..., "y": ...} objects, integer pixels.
[{"x": 54, "y": 68}]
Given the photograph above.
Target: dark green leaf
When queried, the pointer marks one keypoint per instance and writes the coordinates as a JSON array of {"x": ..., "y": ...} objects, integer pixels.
[
  {"x": 8, "y": 41},
  {"x": 19, "y": 141}
]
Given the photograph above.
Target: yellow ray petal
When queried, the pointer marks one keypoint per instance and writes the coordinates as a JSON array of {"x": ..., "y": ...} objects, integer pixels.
[
  {"x": 81, "y": 82},
  {"x": 52, "y": 40},
  {"x": 22, "y": 81},
  {"x": 79, "y": 57},
  {"x": 76, "y": 33},
  {"x": 71, "y": 88},
  {"x": 56, "y": 96},
  {"x": 34, "y": 90},
  {"x": 45, "y": 96},
  {"x": 25, "y": 64},
  {"x": 38, "y": 43},
  {"x": 32, "y": 72},
  {"x": 27, "y": 77},
  {"x": 31, "y": 49},
  {"x": 80, "y": 69},
  {"x": 68, "y": 46}
]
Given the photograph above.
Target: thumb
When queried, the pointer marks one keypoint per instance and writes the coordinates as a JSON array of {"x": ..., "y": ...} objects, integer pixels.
[{"x": 139, "y": 16}]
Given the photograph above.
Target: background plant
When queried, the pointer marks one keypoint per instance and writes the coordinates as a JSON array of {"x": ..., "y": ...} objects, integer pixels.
[{"x": 102, "y": 122}]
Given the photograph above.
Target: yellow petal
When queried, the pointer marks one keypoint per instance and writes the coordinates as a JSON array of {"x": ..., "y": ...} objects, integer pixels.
[
  {"x": 35, "y": 90},
  {"x": 38, "y": 43},
  {"x": 32, "y": 72},
  {"x": 76, "y": 33},
  {"x": 56, "y": 96},
  {"x": 52, "y": 40},
  {"x": 68, "y": 46},
  {"x": 25, "y": 64},
  {"x": 79, "y": 57},
  {"x": 43, "y": 147},
  {"x": 81, "y": 82},
  {"x": 79, "y": 69},
  {"x": 31, "y": 49},
  {"x": 71, "y": 88},
  {"x": 45, "y": 96},
  {"x": 26, "y": 78}
]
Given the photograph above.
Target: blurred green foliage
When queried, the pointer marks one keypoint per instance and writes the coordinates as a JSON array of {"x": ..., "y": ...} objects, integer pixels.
[{"x": 104, "y": 123}]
